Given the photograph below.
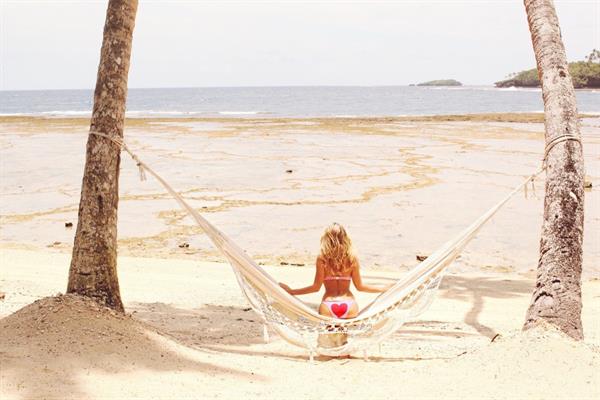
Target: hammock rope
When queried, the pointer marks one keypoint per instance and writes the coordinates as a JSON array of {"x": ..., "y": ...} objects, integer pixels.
[
  {"x": 298, "y": 323},
  {"x": 559, "y": 139}
]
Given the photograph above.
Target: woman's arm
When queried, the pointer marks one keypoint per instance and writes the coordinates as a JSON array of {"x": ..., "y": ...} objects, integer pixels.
[
  {"x": 360, "y": 286},
  {"x": 318, "y": 282}
]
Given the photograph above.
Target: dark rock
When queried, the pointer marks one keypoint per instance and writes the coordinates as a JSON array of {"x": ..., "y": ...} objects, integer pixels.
[
  {"x": 68, "y": 224},
  {"x": 421, "y": 258}
]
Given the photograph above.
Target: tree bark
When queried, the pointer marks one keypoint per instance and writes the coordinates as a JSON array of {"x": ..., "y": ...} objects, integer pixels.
[
  {"x": 93, "y": 270},
  {"x": 557, "y": 295}
]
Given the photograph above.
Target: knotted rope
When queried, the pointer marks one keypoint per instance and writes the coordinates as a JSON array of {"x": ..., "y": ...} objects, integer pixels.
[
  {"x": 549, "y": 146},
  {"x": 525, "y": 190},
  {"x": 559, "y": 139},
  {"x": 122, "y": 146}
]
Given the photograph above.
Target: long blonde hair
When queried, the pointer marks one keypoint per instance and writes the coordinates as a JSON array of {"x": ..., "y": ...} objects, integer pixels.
[{"x": 336, "y": 249}]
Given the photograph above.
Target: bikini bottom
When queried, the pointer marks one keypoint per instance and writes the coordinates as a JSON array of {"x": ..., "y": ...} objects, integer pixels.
[{"x": 339, "y": 308}]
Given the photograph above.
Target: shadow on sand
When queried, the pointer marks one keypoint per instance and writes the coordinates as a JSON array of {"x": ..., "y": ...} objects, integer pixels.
[
  {"x": 476, "y": 290},
  {"x": 48, "y": 347},
  {"x": 207, "y": 325},
  {"x": 227, "y": 329}
]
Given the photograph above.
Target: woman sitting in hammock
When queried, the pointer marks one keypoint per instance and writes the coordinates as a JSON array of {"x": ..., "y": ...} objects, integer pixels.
[{"x": 337, "y": 266}]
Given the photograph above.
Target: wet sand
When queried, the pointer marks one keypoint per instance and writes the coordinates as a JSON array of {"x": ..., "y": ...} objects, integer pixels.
[{"x": 402, "y": 186}]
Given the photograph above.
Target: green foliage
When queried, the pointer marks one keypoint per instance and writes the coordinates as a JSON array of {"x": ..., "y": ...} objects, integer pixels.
[
  {"x": 585, "y": 74},
  {"x": 594, "y": 56},
  {"x": 441, "y": 82}
]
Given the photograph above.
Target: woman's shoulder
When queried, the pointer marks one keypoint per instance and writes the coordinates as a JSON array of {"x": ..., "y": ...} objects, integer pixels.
[
  {"x": 353, "y": 260},
  {"x": 321, "y": 262}
]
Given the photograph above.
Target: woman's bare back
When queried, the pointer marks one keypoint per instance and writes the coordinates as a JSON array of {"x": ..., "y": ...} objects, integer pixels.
[{"x": 338, "y": 300}]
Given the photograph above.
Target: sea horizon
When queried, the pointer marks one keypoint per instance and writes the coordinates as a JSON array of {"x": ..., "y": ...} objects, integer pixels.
[{"x": 292, "y": 101}]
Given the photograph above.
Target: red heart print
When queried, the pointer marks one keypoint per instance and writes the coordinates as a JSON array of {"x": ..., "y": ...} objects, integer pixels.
[{"x": 339, "y": 309}]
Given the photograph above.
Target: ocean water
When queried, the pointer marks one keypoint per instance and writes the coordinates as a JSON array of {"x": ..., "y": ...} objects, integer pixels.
[{"x": 317, "y": 101}]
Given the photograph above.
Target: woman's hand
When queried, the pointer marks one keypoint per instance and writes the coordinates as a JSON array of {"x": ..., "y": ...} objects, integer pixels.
[{"x": 285, "y": 287}]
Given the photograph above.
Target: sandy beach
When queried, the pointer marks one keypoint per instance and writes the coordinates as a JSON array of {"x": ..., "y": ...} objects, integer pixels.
[
  {"x": 401, "y": 186},
  {"x": 299, "y": 200},
  {"x": 190, "y": 334}
]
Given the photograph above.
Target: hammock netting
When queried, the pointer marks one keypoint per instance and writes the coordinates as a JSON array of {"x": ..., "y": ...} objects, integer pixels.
[{"x": 303, "y": 326}]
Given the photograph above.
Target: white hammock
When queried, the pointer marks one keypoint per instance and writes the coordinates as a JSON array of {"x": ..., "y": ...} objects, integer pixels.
[{"x": 301, "y": 325}]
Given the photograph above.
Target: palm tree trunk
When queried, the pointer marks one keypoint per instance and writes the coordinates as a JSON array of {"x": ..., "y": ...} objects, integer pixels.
[
  {"x": 93, "y": 270},
  {"x": 557, "y": 295}
]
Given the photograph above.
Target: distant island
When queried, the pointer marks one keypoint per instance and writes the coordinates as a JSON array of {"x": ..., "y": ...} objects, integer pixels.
[
  {"x": 585, "y": 75},
  {"x": 441, "y": 82}
]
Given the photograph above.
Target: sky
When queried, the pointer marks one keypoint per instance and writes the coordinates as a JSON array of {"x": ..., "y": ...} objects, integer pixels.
[{"x": 56, "y": 44}]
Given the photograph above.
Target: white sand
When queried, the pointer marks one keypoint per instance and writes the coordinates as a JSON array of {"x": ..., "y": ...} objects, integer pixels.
[{"x": 190, "y": 336}]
